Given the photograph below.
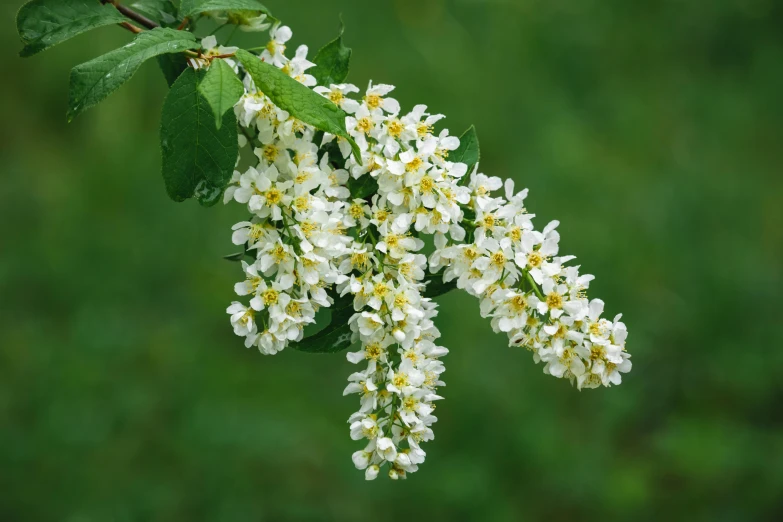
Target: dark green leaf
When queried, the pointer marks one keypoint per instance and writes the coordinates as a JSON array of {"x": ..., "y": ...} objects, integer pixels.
[
  {"x": 221, "y": 88},
  {"x": 301, "y": 102},
  {"x": 468, "y": 151},
  {"x": 198, "y": 159},
  {"x": 332, "y": 61},
  {"x": 45, "y": 23},
  {"x": 332, "y": 150},
  {"x": 336, "y": 336},
  {"x": 436, "y": 287},
  {"x": 239, "y": 256},
  {"x": 172, "y": 65},
  {"x": 207, "y": 194},
  {"x": 362, "y": 187},
  {"x": 162, "y": 11},
  {"x": 194, "y": 7},
  {"x": 93, "y": 81}
]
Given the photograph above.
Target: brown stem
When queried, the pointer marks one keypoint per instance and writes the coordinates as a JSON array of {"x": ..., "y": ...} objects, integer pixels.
[
  {"x": 133, "y": 15},
  {"x": 130, "y": 27},
  {"x": 184, "y": 24}
]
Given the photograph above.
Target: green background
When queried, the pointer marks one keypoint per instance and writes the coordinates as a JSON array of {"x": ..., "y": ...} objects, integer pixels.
[{"x": 651, "y": 130}]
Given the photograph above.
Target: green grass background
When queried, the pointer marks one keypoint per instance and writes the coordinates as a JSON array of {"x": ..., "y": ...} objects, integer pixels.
[{"x": 652, "y": 130}]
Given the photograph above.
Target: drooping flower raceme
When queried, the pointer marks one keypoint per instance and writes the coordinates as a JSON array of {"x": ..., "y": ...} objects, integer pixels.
[
  {"x": 341, "y": 189},
  {"x": 313, "y": 239}
]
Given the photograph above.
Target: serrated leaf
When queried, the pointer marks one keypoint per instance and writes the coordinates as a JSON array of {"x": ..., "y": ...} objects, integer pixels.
[
  {"x": 332, "y": 61},
  {"x": 436, "y": 286},
  {"x": 172, "y": 65},
  {"x": 194, "y": 7},
  {"x": 197, "y": 157},
  {"x": 362, "y": 187},
  {"x": 221, "y": 88},
  {"x": 301, "y": 102},
  {"x": 44, "y": 23},
  {"x": 468, "y": 151},
  {"x": 93, "y": 81}
]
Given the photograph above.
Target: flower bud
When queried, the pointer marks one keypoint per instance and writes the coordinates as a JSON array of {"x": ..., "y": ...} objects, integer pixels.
[{"x": 372, "y": 472}]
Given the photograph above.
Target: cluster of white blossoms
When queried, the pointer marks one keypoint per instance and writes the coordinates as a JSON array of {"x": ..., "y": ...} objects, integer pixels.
[{"x": 313, "y": 243}]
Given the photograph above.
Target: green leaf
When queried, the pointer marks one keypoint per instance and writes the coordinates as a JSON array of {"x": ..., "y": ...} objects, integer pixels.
[
  {"x": 172, "y": 65},
  {"x": 194, "y": 7},
  {"x": 44, "y": 23},
  {"x": 239, "y": 256},
  {"x": 332, "y": 61},
  {"x": 221, "y": 88},
  {"x": 198, "y": 159},
  {"x": 336, "y": 336},
  {"x": 301, "y": 102},
  {"x": 332, "y": 151},
  {"x": 436, "y": 287},
  {"x": 162, "y": 11},
  {"x": 93, "y": 81},
  {"x": 468, "y": 151},
  {"x": 207, "y": 194},
  {"x": 362, "y": 187}
]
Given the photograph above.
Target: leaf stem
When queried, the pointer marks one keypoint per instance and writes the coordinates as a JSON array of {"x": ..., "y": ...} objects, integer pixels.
[
  {"x": 216, "y": 29},
  {"x": 231, "y": 35}
]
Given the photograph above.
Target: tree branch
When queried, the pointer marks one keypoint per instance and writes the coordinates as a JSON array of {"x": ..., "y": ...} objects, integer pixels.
[
  {"x": 130, "y": 27},
  {"x": 133, "y": 15}
]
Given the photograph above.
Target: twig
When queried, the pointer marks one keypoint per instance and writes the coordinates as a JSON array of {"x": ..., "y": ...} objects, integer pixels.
[
  {"x": 133, "y": 15},
  {"x": 130, "y": 27}
]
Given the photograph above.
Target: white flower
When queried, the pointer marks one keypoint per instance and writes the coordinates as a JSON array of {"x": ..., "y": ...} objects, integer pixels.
[
  {"x": 338, "y": 94},
  {"x": 364, "y": 428},
  {"x": 482, "y": 186},
  {"x": 274, "y": 52},
  {"x": 253, "y": 233},
  {"x": 361, "y": 459},
  {"x": 210, "y": 50},
  {"x": 242, "y": 319},
  {"x": 372, "y": 472},
  {"x": 496, "y": 262},
  {"x": 374, "y": 98},
  {"x": 270, "y": 295},
  {"x": 396, "y": 241},
  {"x": 299, "y": 64},
  {"x": 386, "y": 449}
]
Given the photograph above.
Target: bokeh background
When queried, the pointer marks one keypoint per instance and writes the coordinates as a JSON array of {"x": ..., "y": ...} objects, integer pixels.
[{"x": 652, "y": 130}]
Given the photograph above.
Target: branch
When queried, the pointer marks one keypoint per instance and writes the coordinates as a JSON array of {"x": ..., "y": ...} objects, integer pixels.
[
  {"x": 133, "y": 15},
  {"x": 130, "y": 27}
]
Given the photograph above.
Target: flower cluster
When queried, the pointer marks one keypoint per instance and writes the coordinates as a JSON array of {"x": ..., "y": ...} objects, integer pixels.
[
  {"x": 525, "y": 287},
  {"x": 312, "y": 241}
]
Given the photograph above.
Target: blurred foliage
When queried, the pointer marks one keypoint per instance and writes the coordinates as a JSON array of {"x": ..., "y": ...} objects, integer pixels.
[{"x": 652, "y": 130}]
